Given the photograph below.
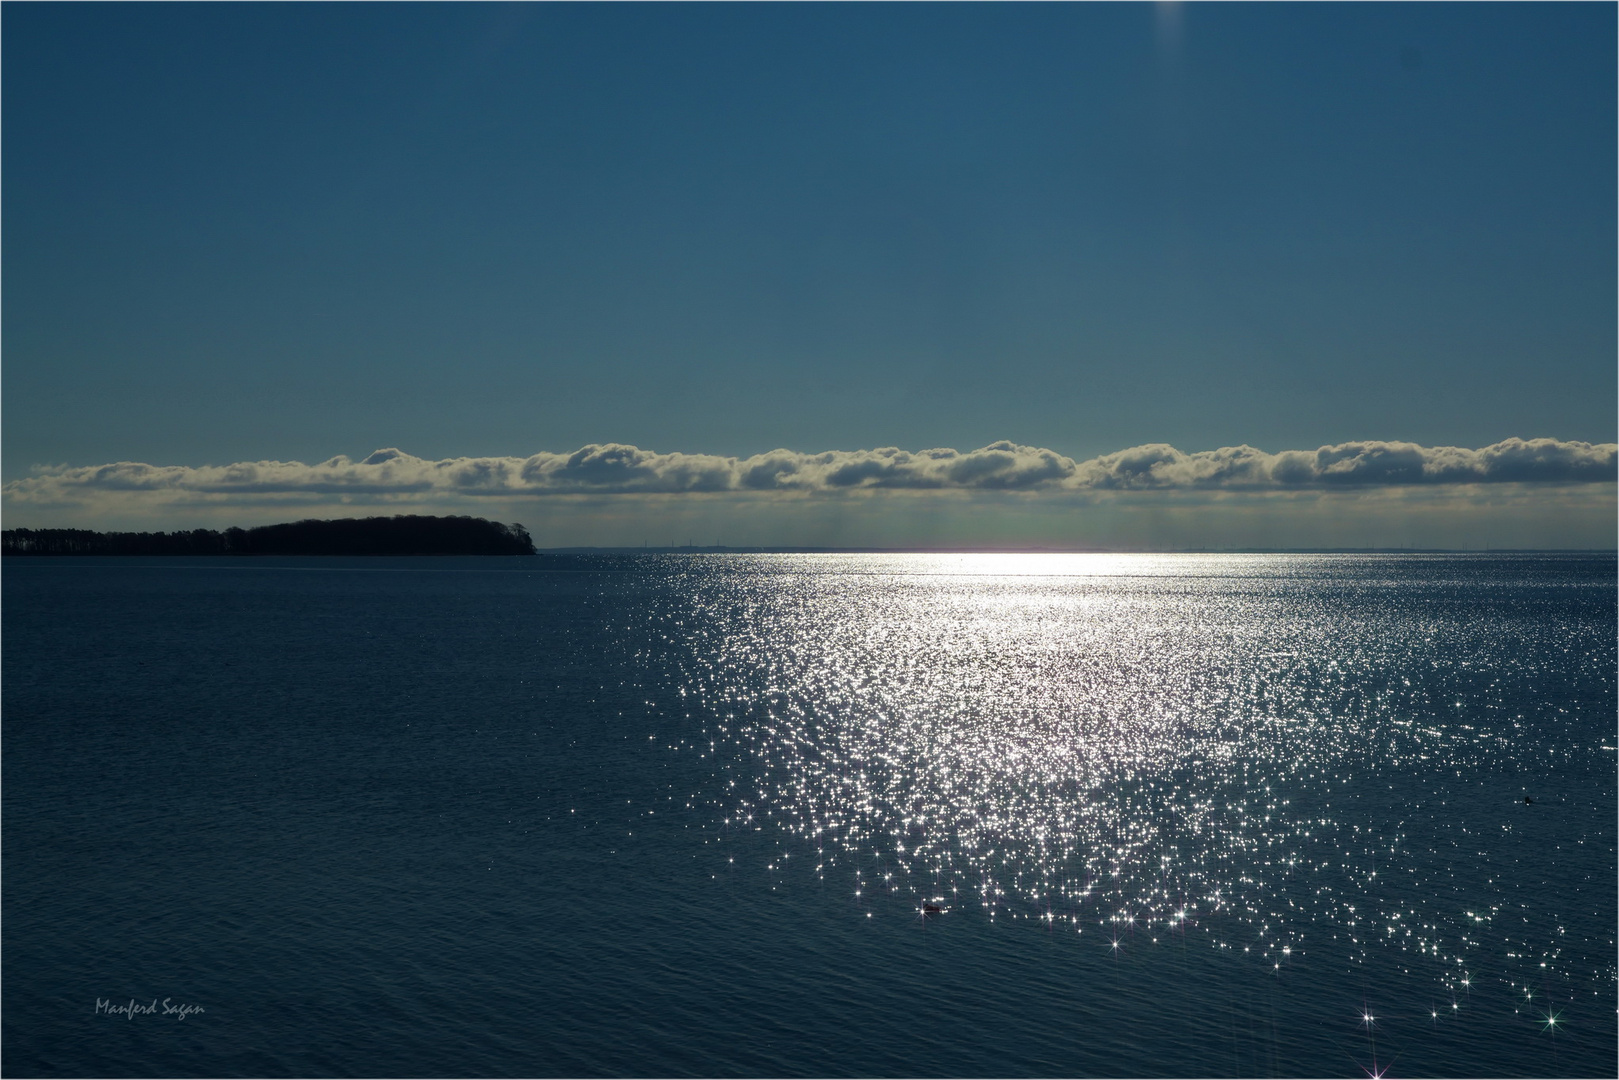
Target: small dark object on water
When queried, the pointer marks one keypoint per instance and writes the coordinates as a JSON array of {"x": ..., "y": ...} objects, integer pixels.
[
  {"x": 1527, "y": 801},
  {"x": 932, "y": 909}
]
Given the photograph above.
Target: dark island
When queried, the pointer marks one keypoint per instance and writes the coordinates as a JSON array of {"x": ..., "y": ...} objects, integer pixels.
[{"x": 406, "y": 534}]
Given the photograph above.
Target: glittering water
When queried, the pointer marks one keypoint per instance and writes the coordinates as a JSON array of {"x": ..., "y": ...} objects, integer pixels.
[
  {"x": 1285, "y": 757},
  {"x": 1395, "y": 766},
  {"x": 927, "y": 815}
]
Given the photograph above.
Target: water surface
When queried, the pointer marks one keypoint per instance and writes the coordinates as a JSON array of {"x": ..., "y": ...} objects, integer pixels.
[{"x": 673, "y": 815}]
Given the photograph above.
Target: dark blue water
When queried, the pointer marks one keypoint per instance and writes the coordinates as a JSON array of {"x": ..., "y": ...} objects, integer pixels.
[{"x": 678, "y": 815}]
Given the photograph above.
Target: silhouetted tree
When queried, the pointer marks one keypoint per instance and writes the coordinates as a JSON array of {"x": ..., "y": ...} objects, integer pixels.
[{"x": 406, "y": 534}]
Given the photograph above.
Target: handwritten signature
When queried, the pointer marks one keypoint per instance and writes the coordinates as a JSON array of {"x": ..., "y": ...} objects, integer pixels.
[{"x": 152, "y": 1008}]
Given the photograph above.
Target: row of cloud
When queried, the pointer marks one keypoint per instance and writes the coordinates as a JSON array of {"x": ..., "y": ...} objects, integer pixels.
[{"x": 613, "y": 468}]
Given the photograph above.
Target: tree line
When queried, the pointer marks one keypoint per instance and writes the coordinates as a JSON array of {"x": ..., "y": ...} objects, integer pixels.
[{"x": 403, "y": 534}]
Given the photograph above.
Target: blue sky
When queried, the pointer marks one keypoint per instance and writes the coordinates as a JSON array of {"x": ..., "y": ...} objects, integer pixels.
[{"x": 290, "y": 232}]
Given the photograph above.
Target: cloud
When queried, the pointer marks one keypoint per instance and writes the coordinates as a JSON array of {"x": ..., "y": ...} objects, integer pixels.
[
  {"x": 618, "y": 469},
  {"x": 1353, "y": 464}
]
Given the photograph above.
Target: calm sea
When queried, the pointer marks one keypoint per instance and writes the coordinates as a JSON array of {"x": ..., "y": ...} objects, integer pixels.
[{"x": 673, "y": 815}]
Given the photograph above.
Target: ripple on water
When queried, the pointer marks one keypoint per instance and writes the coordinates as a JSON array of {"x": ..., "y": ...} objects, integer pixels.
[{"x": 1283, "y": 756}]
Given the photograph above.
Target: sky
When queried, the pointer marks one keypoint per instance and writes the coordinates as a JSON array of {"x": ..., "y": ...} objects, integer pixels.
[{"x": 592, "y": 268}]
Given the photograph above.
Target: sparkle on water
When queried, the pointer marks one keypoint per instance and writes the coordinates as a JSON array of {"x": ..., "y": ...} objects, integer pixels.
[{"x": 1198, "y": 746}]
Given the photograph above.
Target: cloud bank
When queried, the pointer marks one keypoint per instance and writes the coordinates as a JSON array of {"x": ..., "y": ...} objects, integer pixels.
[{"x": 617, "y": 469}]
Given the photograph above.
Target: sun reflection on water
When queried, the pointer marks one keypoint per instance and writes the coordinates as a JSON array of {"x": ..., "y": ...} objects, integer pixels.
[{"x": 1285, "y": 757}]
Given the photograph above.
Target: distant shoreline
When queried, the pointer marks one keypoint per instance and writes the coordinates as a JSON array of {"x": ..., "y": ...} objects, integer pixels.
[
  {"x": 719, "y": 549},
  {"x": 399, "y": 535},
  {"x": 417, "y": 535},
  {"x": 622, "y": 552}
]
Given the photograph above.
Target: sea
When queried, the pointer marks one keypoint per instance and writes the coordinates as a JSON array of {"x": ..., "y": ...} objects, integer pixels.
[{"x": 810, "y": 815}]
